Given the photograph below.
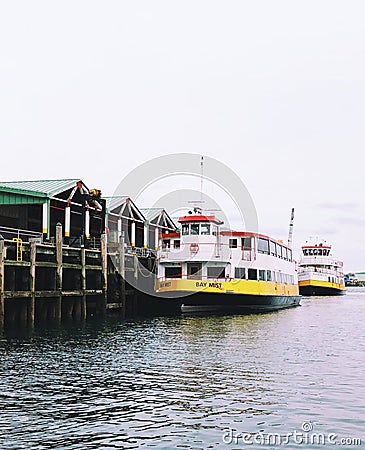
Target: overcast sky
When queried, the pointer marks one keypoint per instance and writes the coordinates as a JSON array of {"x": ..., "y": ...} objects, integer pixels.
[{"x": 273, "y": 89}]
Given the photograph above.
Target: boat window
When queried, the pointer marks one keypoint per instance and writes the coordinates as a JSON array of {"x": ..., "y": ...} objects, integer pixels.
[
  {"x": 319, "y": 252},
  {"x": 262, "y": 275},
  {"x": 278, "y": 250},
  {"x": 176, "y": 243},
  {"x": 216, "y": 272},
  {"x": 263, "y": 246},
  {"x": 310, "y": 252},
  {"x": 290, "y": 257},
  {"x": 194, "y": 228},
  {"x": 205, "y": 228},
  {"x": 315, "y": 251},
  {"x": 272, "y": 248},
  {"x": 185, "y": 229},
  {"x": 246, "y": 243},
  {"x": 165, "y": 244},
  {"x": 285, "y": 253},
  {"x": 233, "y": 243},
  {"x": 252, "y": 274},
  {"x": 240, "y": 273},
  {"x": 268, "y": 275},
  {"x": 173, "y": 272},
  {"x": 305, "y": 251}
]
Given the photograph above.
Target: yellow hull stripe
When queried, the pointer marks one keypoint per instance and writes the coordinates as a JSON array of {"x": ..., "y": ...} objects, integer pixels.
[
  {"x": 325, "y": 284},
  {"x": 248, "y": 287}
]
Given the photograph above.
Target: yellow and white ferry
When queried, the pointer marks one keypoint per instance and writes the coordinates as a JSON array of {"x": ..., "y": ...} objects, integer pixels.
[
  {"x": 223, "y": 270},
  {"x": 318, "y": 272}
]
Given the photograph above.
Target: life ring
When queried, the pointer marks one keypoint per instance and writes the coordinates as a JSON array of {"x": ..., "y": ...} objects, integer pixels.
[{"x": 194, "y": 248}]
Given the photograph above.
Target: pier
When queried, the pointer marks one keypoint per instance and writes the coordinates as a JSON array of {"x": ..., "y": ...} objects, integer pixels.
[{"x": 67, "y": 253}]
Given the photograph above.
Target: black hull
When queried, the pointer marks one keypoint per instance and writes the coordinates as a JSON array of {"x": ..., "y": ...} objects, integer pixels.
[
  {"x": 308, "y": 291},
  {"x": 236, "y": 303}
]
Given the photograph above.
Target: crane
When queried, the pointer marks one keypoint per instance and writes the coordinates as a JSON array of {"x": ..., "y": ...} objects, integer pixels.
[{"x": 291, "y": 226}]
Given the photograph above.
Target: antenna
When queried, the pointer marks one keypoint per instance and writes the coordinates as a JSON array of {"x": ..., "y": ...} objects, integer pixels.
[
  {"x": 291, "y": 226},
  {"x": 201, "y": 178}
]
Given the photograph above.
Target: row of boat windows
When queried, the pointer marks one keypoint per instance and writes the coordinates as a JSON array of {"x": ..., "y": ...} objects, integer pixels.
[
  {"x": 264, "y": 246},
  {"x": 196, "y": 228},
  {"x": 263, "y": 275},
  {"x": 240, "y": 273},
  {"x": 166, "y": 243},
  {"x": 316, "y": 251},
  {"x": 336, "y": 280}
]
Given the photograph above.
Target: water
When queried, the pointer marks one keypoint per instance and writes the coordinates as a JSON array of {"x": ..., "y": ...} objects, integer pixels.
[{"x": 189, "y": 382}]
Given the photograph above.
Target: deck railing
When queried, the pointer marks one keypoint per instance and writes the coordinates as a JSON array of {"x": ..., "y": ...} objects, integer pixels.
[{"x": 24, "y": 235}]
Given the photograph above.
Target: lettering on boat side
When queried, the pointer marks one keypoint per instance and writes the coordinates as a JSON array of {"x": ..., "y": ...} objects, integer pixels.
[
  {"x": 165, "y": 284},
  {"x": 215, "y": 285},
  {"x": 211, "y": 284}
]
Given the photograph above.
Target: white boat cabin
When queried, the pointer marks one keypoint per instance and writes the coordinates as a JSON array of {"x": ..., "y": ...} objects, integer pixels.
[{"x": 203, "y": 250}]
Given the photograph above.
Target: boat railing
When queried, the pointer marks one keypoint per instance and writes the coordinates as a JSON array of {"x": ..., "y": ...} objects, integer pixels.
[{"x": 319, "y": 270}]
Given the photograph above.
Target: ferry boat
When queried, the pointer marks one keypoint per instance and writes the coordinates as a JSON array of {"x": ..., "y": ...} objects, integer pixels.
[
  {"x": 318, "y": 272},
  {"x": 211, "y": 269}
]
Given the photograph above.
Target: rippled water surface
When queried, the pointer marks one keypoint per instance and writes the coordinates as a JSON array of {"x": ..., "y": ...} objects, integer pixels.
[{"x": 184, "y": 382}]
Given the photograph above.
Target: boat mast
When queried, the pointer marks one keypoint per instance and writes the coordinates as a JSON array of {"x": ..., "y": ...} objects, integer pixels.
[
  {"x": 201, "y": 178},
  {"x": 291, "y": 226}
]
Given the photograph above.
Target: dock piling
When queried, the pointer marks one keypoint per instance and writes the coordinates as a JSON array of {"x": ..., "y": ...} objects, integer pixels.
[
  {"x": 31, "y": 300},
  {"x": 2, "y": 296},
  {"x": 83, "y": 284},
  {"x": 104, "y": 271},
  {"x": 58, "y": 300},
  {"x": 122, "y": 273}
]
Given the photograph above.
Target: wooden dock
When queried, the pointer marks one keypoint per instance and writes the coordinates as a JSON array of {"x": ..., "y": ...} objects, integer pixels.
[{"x": 51, "y": 282}]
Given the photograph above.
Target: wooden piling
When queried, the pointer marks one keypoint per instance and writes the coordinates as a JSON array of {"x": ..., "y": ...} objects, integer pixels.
[
  {"x": 2, "y": 273},
  {"x": 121, "y": 270},
  {"x": 104, "y": 271},
  {"x": 32, "y": 273},
  {"x": 135, "y": 266},
  {"x": 83, "y": 284},
  {"x": 58, "y": 301}
]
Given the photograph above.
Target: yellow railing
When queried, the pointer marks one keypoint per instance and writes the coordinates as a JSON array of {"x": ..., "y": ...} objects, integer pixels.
[{"x": 19, "y": 249}]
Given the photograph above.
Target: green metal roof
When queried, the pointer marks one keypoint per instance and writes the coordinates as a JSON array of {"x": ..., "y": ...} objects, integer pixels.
[
  {"x": 115, "y": 201},
  {"x": 38, "y": 188},
  {"x": 151, "y": 213}
]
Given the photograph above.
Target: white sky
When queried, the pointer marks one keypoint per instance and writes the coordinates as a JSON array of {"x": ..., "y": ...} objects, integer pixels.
[{"x": 273, "y": 89}]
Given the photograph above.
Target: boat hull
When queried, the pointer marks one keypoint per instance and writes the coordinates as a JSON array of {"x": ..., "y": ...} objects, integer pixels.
[
  {"x": 313, "y": 290},
  {"x": 237, "y": 303}
]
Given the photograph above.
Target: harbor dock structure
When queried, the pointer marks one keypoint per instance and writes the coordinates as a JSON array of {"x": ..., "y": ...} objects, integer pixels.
[
  {"x": 141, "y": 226},
  {"x": 65, "y": 251}
]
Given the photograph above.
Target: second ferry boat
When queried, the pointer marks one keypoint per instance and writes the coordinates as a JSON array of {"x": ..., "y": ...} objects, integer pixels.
[
  {"x": 224, "y": 270},
  {"x": 318, "y": 272}
]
